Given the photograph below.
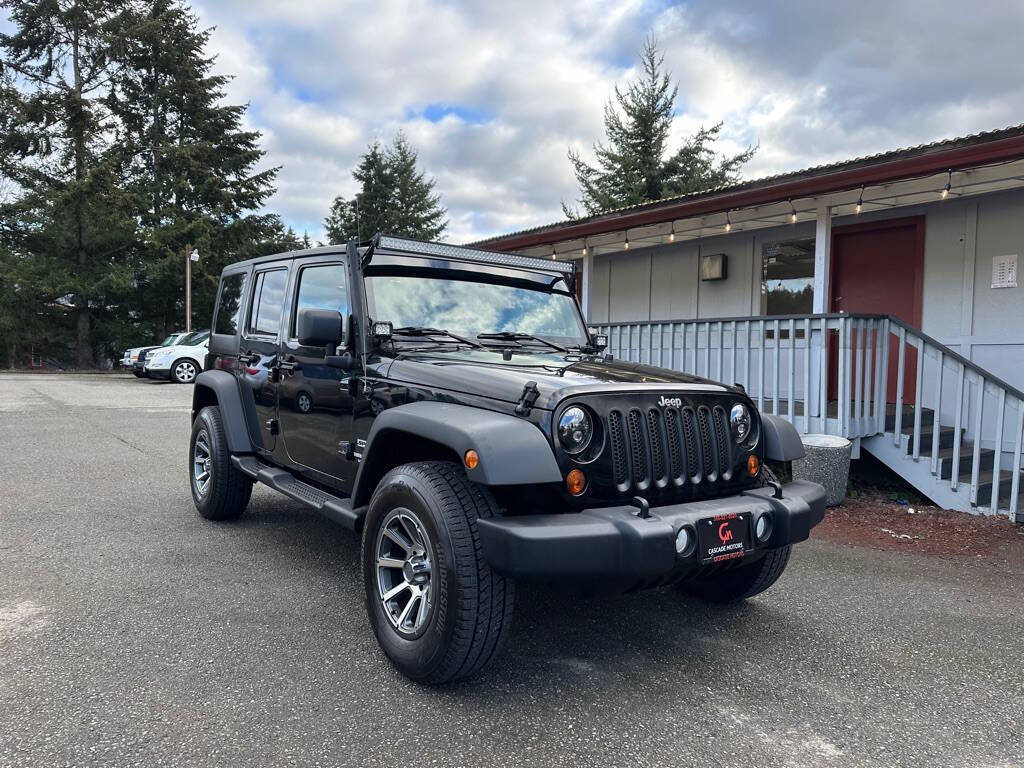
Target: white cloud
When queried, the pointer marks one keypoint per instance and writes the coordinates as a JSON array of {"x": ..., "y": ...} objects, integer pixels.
[{"x": 526, "y": 80}]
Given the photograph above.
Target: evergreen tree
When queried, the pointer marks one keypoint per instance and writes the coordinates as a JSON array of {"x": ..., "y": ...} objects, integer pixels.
[
  {"x": 194, "y": 176},
  {"x": 415, "y": 208},
  {"x": 394, "y": 197},
  {"x": 71, "y": 216},
  {"x": 632, "y": 167}
]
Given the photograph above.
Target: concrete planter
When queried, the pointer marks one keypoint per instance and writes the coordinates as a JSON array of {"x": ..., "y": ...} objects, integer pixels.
[{"x": 827, "y": 462}]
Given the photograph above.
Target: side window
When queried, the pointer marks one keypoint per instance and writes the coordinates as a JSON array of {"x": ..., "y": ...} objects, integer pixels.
[
  {"x": 267, "y": 303},
  {"x": 230, "y": 304},
  {"x": 321, "y": 287}
]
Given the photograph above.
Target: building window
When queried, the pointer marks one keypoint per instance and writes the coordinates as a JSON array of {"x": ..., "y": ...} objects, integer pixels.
[{"x": 787, "y": 278}]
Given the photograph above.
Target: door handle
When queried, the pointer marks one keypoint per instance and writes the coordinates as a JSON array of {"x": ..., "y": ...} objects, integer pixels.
[{"x": 248, "y": 359}]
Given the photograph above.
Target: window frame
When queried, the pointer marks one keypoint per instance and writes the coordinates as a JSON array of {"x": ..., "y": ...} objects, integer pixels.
[
  {"x": 242, "y": 295},
  {"x": 293, "y": 318},
  {"x": 259, "y": 277}
]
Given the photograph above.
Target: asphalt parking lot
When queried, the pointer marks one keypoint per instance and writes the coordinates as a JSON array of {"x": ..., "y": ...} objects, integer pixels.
[{"x": 132, "y": 632}]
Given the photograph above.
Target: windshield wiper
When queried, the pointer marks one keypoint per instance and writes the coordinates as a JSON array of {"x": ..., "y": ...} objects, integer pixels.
[
  {"x": 518, "y": 337},
  {"x": 420, "y": 331}
]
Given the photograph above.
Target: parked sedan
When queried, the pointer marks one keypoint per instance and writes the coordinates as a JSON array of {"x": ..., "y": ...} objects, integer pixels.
[
  {"x": 134, "y": 359},
  {"x": 180, "y": 362}
]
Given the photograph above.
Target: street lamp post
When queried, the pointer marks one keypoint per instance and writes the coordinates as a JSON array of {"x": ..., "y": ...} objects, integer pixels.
[{"x": 190, "y": 256}]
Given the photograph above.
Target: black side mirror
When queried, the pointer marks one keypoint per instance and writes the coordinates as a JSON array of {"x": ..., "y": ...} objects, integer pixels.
[{"x": 320, "y": 327}]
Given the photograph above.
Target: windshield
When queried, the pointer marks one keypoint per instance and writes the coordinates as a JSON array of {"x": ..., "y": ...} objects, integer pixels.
[
  {"x": 170, "y": 340},
  {"x": 196, "y": 337},
  {"x": 470, "y": 308}
]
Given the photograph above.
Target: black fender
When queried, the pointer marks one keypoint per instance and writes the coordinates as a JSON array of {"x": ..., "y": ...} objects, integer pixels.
[
  {"x": 780, "y": 439},
  {"x": 512, "y": 451},
  {"x": 220, "y": 388}
]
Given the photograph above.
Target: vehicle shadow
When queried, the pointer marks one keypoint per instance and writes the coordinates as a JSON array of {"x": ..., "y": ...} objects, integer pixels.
[{"x": 592, "y": 644}]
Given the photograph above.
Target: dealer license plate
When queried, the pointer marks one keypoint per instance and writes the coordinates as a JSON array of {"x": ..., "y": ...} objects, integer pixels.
[{"x": 724, "y": 537}]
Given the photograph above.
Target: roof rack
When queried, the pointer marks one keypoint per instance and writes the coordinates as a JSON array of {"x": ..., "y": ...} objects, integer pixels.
[{"x": 392, "y": 243}]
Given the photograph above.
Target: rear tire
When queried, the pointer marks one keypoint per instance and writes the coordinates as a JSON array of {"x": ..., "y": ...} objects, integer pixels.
[
  {"x": 220, "y": 491},
  {"x": 137, "y": 375},
  {"x": 467, "y": 606},
  {"x": 740, "y": 583}
]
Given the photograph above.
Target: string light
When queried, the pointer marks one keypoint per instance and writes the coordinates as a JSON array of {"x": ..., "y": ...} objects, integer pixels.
[
  {"x": 949, "y": 184},
  {"x": 584, "y": 249},
  {"x": 728, "y": 223},
  {"x": 625, "y": 245},
  {"x": 792, "y": 216},
  {"x": 860, "y": 200},
  {"x": 672, "y": 234},
  {"x": 553, "y": 254}
]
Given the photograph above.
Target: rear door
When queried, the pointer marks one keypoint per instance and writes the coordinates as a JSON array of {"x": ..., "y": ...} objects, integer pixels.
[
  {"x": 313, "y": 402},
  {"x": 257, "y": 352}
]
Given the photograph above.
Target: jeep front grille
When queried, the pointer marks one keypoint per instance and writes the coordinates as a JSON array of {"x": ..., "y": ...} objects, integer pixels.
[{"x": 670, "y": 445}]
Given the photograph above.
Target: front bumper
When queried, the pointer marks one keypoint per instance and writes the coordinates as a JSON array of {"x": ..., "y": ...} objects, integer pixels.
[
  {"x": 613, "y": 542},
  {"x": 157, "y": 371}
]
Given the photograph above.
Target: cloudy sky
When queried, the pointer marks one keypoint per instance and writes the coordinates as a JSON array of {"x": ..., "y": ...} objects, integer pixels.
[{"x": 494, "y": 93}]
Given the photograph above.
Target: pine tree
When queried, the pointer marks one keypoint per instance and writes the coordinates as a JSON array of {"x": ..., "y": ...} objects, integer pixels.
[
  {"x": 415, "y": 208},
  {"x": 71, "y": 215},
  {"x": 631, "y": 166},
  {"x": 395, "y": 197},
  {"x": 194, "y": 176}
]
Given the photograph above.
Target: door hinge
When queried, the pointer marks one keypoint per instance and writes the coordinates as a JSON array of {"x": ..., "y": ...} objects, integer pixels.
[
  {"x": 273, "y": 427},
  {"x": 527, "y": 398}
]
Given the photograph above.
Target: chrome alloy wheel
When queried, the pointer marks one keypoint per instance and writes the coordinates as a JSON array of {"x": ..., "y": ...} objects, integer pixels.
[
  {"x": 202, "y": 463},
  {"x": 185, "y": 371},
  {"x": 403, "y": 572}
]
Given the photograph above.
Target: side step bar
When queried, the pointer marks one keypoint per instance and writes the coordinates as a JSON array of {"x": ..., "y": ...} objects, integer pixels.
[{"x": 332, "y": 507}]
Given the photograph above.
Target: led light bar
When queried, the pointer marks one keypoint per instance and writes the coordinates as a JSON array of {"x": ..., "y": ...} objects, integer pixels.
[{"x": 390, "y": 242}]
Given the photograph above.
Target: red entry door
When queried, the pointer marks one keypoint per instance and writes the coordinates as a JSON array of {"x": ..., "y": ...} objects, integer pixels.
[{"x": 878, "y": 269}]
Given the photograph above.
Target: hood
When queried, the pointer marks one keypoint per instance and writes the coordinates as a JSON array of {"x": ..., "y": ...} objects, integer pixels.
[
  {"x": 178, "y": 349},
  {"x": 557, "y": 375}
]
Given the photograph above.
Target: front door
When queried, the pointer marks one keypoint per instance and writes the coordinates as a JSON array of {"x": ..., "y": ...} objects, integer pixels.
[
  {"x": 878, "y": 268},
  {"x": 257, "y": 349},
  {"x": 314, "y": 404}
]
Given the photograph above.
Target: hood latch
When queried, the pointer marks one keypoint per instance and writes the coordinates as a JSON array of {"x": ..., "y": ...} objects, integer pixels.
[{"x": 527, "y": 398}]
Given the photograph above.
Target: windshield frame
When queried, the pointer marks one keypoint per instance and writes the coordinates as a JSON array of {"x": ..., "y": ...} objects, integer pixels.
[{"x": 551, "y": 286}]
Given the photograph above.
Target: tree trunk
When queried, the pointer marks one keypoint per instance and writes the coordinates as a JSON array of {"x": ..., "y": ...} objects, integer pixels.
[{"x": 12, "y": 351}]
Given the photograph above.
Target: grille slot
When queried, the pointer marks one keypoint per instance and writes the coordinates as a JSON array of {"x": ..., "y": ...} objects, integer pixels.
[
  {"x": 722, "y": 435},
  {"x": 654, "y": 431},
  {"x": 617, "y": 439},
  {"x": 638, "y": 450},
  {"x": 707, "y": 447},
  {"x": 676, "y": 470}
]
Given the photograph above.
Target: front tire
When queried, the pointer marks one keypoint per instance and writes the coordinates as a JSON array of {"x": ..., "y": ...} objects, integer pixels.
[
  {"x": 184, "y": 371},
  {"x": 742, "y": 582},
  {"x": 438, "y": 610},
  {"x": 220, "y": 491}
]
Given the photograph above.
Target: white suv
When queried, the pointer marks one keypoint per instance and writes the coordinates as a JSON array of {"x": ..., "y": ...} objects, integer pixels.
[{"x": 181, "y": 362}]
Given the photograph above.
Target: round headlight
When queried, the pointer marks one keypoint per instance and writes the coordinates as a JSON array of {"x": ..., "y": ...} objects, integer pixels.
[
  {"x": 739, "y": 420},
  {"x": 575, "y": 429}
]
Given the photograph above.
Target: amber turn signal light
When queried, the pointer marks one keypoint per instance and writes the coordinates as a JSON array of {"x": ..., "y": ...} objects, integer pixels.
[
  {"x": 575, "y": 482},
  {"x": 471, "y": 458},
  {"x": 753, "y": 465}
]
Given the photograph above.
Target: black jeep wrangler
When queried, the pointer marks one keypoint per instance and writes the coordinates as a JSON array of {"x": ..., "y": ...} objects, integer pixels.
[{"x": 451, "y": 406}]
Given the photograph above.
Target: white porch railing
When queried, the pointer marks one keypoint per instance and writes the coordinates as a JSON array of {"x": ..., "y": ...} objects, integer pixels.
[{"x": 949, "y": 427}]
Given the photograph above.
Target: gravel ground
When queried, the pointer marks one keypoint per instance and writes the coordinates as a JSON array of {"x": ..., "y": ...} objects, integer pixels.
[{"x": 132, "y": 632}]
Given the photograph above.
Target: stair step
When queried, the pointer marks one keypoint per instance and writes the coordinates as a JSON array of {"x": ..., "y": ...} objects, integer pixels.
[
  {"x": 966, "y": 460},
  {"x": 927, "y": 414},
  {"x": 945, "y": 438},
  {"x": 985, "y": 484}
]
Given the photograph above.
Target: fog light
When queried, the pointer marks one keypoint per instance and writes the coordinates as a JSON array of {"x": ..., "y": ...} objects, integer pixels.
[
  {"x": 753, "y": 465},
  {"x": 575, "y": 481},
  {"x": 471, "y": 459},
  {"x": 763, "y": 527},
  {"x": 685, "y": 539}
]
